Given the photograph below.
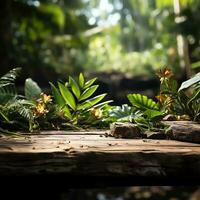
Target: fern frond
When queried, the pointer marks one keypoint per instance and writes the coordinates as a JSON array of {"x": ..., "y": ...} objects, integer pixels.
[
  {"x": 7, "y": 92},
  {"x": 23, "y": 108},
  {"x": 10, "y": 77},
  {"x": 7, "y": 86}
]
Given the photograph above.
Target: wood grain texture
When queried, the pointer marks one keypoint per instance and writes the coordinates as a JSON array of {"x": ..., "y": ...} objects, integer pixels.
[{"x": 96, "y": 155}]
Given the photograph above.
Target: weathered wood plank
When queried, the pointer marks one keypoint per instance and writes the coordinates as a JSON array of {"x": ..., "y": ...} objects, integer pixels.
[{"x": 97, "y": 155}]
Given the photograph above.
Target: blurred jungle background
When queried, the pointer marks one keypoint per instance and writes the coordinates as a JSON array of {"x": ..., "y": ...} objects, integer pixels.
[{"x": 122, "y": 42}]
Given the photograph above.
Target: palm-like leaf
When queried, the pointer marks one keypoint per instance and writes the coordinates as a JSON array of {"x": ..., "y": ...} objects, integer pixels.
[{"x": 142, "y": 102}]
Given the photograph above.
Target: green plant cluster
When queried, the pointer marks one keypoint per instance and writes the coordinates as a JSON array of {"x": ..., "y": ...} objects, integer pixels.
[{"x": 73, "y": 104}]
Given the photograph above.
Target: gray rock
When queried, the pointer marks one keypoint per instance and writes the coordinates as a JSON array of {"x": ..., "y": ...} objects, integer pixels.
[
  {"x": 170, "y": 117},
  {"x": 125, "y": 130},
  {"x": 155, "y": 135},
  {"x": 188, "y": 132}
]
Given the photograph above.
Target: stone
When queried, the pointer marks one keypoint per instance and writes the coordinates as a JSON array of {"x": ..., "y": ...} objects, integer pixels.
[
  {"x": 125, "y": 130},
  {"x": 169, "y": 117},
  {"x": 188, "y": 131},
  {"x": 155, "y": 135}
]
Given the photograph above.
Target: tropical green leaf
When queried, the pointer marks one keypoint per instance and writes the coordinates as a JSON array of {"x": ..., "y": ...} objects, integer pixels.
[
  {"x": 122, "y": 113},
  {"x": 100, "y": 105},
  {"x": 67, "y": 95},
  {"x": 60, "y": 101},
  {"x": 67, "y": 112},
  {"x": 57, "y": 96},
  {"x": 190, "y": 82},
  {"x": 142, "y": 102},
  {"x": 154, "y": 114},
  {"x": 81, "y": 80},
  {"x": 88, "y": 92},
  {"x": 91, "y": 102},
  {"x": 75, "y": 87},
  {"x": 89, "y": 83},
  {"x": 32, "y": 90}
]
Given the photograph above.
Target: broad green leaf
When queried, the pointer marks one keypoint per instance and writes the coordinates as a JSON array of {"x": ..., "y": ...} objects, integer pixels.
[
  {"x": 142, "y": 102},
  {"x": 90, "y": 102},
  {"x": 123, "y": 113},
  {"x": 32, "y": 90},
  {"x": 81, "y": 80},
  {"x": 88, "y": 92},
  {"x": 57, "y": 96},
  {"x": 154, "y": 114},
  {"x": 89, "y": 83},
  {"x": 190, "y": 82},
  {"x": 67, "y": 112},
  {"x": 60, "y": 101},
  {"x": 75, "y": 87},
  {"x": 67, "y": 95},
  {"x": 100, "y": 105}
]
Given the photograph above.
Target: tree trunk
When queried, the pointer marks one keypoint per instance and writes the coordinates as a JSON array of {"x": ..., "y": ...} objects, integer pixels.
[{"x": 182, "y": 44}]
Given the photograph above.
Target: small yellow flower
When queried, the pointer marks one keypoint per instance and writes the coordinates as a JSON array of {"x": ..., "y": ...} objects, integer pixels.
[
  {"x": 96, "y": 113},
  {"x": 39, "y": 109},
  {"x": 45, "y": 98}
]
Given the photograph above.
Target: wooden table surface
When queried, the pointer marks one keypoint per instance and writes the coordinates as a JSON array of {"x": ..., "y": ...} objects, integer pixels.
[{"x": 92, "y": 154}]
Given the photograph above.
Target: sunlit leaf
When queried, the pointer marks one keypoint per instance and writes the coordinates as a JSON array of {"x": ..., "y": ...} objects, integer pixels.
[
  {"x": 142, "y": 102},
  {"x": 81, "y": 80},
  {"x": 89, "y": 83},
  {"x": 190, "y": 82},
  {"x": 75, "y": 87},
  {"x": 154, "y": 114},
  {"x": 67, "y": 112},
  {"x": 91, "y": 102},
  {"x": 57, "y": 96},
  {"x": 67, "y": 95},
  {"x": 88, "y": 92}
]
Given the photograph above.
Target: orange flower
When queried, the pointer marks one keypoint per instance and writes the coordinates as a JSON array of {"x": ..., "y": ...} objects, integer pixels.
[{"x": 164, "y": 73}]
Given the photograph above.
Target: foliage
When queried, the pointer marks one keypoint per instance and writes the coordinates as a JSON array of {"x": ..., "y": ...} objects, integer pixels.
[
  {"x": 183, "y": 101},
  {"x": 58, "y": 36},
  {"x": 150, "y": 112},
  {"x": 75, "y": 99},
  {"x": 18, "y": 110},
  {"x": 123, "y": 113},
  {"x": 77, "y": 105},
  {"x": 7, "y": 86}
]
